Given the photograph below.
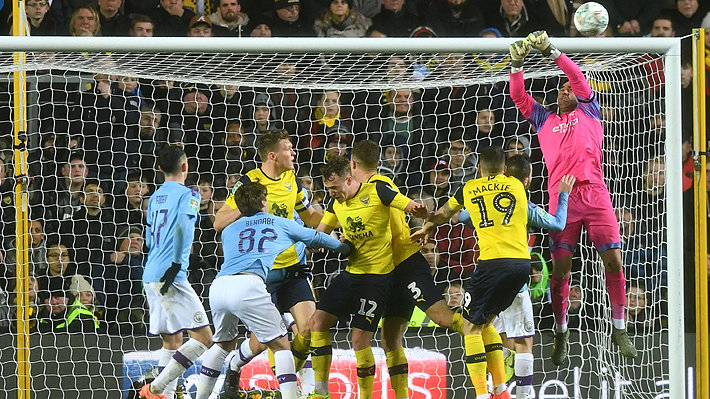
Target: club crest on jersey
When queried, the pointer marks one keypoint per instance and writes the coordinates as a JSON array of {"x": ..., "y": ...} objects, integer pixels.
[
  {"x": 287, "y": 185},
  {"x": 198, "y": 317},
  {"x": 528, "y": 326},
  {"x": 365, "y": 199},
  {"x": 194, "y": 205}
]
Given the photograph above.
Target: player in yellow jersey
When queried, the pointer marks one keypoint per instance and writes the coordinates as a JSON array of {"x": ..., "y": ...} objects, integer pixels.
[
  {"x": 498, "y": 208},
  {"x": 363, "y": 288},
  {"x": 288, "y": 282},
  {"x": 413, "y": 282}
]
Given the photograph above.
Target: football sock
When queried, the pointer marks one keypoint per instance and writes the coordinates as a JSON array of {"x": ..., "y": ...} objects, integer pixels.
[
  {"x": 559, "y": 290},
  {"x": 476, "y": 363},
  {"x": 299, "y": 348},
  {"x": 244, "y": 356},
  {"x": 321, "y": 357},
  {"x": 399, "y": 372},
  {"x": 165, "y": 356},
  {"x": 365, "y": 361},
  {"x": 616, "y": 285},
  {"x": 286, "y": 374},
  {"x": 211, "y": 367},
  {"x": 523, "y": 375},
  {"x": 494, "y": 356},
  {"x": 183, "y": 358}
]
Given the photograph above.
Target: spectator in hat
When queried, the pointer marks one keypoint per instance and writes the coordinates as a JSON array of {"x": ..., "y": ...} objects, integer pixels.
[
  {"x": 288, "y": 21},
  {"x": 263, "y": 119},
  {"x": 141, "y": 26},
  {"x": 85, "y": 22},
  {"x": 455, "y": 18},
  {"x": 171, "y": 18},
  {"x": 62, "y": 312},
  {"x": 41, "y": 21},
  {"x": 113, "y": 21},
  {"x": 516, "y": 146},
  {"x": 341, "y": 21},
  {"x": 260, "y": 29},
  {"x": 229, "y": 20},
  {"x": 395, "y": 19},
  {"x": 85, "y": 295},
  {"x": 200, "y": 26}
]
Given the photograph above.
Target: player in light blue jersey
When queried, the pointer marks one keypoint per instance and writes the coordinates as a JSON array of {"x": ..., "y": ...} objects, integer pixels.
[
  {"x": 174, "y": 305},
  {"x": 516, "y": 322},
  {"x": 251, "y": 245}
]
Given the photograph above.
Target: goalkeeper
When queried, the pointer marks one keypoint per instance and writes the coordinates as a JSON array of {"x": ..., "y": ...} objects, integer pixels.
[{"x": 571, "y": 142}]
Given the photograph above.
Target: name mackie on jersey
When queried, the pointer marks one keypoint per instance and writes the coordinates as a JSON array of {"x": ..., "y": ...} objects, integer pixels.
[{"x": 490, "y": 187}]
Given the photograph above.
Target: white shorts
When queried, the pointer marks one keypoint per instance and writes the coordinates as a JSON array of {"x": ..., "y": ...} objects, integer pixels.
[
  {"x": 178, "y": 310},
  {"x": 244, "y": 297},
  {"x": 517, "y": 320}
]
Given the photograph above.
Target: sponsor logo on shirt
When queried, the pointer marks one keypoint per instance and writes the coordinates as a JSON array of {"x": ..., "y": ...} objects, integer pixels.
[{"x": 564, "y": 127}]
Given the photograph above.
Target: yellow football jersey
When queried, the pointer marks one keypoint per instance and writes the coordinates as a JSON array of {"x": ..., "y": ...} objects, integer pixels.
[
  {"x": 365, "y": 219},
  {"x": 499, "y": 211},
  {"x": 402, "y": 247},
  {"x": 285, "y": 195}
]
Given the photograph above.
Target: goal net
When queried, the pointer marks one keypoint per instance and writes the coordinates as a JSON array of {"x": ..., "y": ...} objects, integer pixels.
[{"x": 96, "y": 120}]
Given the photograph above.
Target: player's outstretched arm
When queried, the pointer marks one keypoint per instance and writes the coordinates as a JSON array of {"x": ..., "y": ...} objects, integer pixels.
[
  {"x": 225, "y": 216},
  {"x": 441, "y": 216},
  {"x": 310, "y": 216},
  {"x": 522, "y": 99},
  {"x": 417, "y": 210},
  {"x": 538, "y": 217},
  {"x": 317, "y": 239},
  {"x": 580, "y": 86}
]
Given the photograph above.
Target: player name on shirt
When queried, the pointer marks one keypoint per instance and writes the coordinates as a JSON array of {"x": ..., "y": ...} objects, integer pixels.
[
  {"x": 260, "y": 221},
  {"x": 490, "y": 187}
]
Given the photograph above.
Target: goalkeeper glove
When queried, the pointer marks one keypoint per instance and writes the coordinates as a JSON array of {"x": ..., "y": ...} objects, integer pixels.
[
  {"x": 518, "y": 51},
  {"x": 169, "y": 277},
  {"x": 540, "y": 41}
]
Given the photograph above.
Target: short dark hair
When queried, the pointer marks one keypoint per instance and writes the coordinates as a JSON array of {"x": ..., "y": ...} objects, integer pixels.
[
  {"x": 269, "y": 142},
  {"x": 76, "y": 156},
  {"x": 337, "y": 165},
  {"x": 492, "y": 160},
  {"x": 170, "y": 158},
  {"x": 518, "y": 166},
  {"x": 366, "y": 153},
  {"x": 665, "y": 17},
  {"x": 250, "y": 197},
  {"x": 140, "y": 18}
]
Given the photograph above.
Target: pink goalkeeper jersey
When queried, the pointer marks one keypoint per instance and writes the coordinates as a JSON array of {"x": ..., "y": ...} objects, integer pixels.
[{"x": 571, "y": 142}]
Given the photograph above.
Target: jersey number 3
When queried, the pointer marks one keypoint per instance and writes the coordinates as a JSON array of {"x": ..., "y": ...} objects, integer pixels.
[
  {"x": 506, "y": 210},
  {"x": 246, "y": 240}
]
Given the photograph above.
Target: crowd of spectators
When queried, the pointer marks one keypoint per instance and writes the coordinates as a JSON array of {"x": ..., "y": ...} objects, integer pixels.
[
  {"x": 349, "y": 18},
  {"x": 92, "y": 174}
]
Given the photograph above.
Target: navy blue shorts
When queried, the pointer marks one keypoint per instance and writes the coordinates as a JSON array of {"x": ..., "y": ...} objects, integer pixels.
[
  {"x": 363, "y": 296},
  {"x": 493, "y": 287},
  {"x": 287, "y": 291},
  {"x": 413, "y": 286}
]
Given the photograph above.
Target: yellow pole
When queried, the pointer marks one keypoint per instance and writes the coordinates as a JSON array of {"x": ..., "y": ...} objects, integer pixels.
[
  {"x": 701, "y": 273},
  {"x": 21, "y": 224}
]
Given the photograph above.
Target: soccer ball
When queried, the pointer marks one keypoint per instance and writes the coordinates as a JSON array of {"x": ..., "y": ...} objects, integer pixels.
[{"x": 591, "y": 19}]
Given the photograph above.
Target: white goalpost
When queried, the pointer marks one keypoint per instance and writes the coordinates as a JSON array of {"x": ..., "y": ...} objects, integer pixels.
[{"x": 446, "y": 85}]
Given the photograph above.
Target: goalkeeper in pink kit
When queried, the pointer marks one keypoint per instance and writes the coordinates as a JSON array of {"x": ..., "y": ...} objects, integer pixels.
[{"x": 571, "y": 142}]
